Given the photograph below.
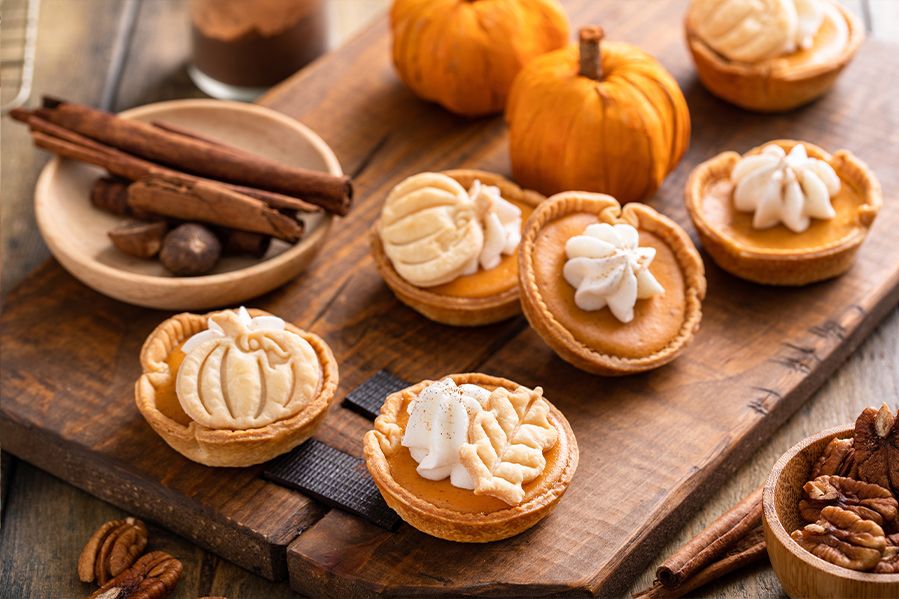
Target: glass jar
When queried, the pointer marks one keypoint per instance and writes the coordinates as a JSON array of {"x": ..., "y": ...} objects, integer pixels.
[{"x": 243, "y": 47}]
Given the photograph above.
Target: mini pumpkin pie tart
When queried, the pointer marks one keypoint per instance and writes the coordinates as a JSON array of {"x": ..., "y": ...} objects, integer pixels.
[
  {"x": 771, "y": 55},
  {"x": 471, "y": 457},
  {"x": 612, "y": 290},
  {"x": 236, "y": 387},
  {"x": 446, "y": 244},
  {"x": 785, "y": 213}
]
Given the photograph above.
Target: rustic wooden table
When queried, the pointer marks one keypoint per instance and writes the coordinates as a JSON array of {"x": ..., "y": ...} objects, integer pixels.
[{"x": 125, "y": 53}]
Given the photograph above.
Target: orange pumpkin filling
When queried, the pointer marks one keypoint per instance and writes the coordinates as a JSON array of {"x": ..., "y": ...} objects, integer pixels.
[
  {"x": 166, "y": 397},
  {"x": 657, "y": 320},
  {"x": 486, "y": 283},
  {"x": 442, "y": 494},
  {"x": 718, "y": 209}
]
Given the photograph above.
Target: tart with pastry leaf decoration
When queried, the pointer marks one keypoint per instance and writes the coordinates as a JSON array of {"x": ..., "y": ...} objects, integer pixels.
[
  {"x": 446, "y": 244},
  {"x": 612, "y": 290},
  {"x": 235, "y": 387},
  {"x": 471, "y": 457},
  {"x": 771, "y": 55},
  {"x": 785, "y": 213}
]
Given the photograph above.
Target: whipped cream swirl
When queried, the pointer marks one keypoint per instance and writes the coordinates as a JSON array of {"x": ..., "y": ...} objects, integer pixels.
[
  {"x": 438, "y": 427},
  {"x": 214, "y": 331},
  {"x": 784, "y": 188},
  {"x": 501, "y": 222},
  {"x": 607, "y": 267}
]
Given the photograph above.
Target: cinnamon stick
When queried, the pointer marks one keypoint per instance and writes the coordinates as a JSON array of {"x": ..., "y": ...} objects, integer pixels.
[
  {"x": 209, "y": 202},
  {"x": 732, "y": 561},
  {"x": 732, "y": 541},
  {"x": 111, "y": 195},
  {"x": 199, "y": 156},
  {"x": 69, "y": 144}
]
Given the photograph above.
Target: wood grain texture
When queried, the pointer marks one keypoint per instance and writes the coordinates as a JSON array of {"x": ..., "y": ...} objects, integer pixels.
[
  {"x": 764, "y": 371},
  {"x": 870, "y": 374}
]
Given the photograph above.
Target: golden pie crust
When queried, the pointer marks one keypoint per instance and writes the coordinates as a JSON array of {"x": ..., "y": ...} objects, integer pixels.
[
  {"x": 444, "y": 305},
  {"x": 441, "y": 510},
  {"x": 778, "y": 84},
  {"x": 154, "y": 393},
  {"x": 777, "y": 256},
  {"x": 596, "y": 341}
]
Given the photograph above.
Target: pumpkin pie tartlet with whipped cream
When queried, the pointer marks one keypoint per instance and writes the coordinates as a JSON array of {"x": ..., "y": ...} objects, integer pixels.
[
  {"x": 447, "y": 245},
  {"x": 771, "y": 55},
  {"x": 471, "y": 457},
  {"x": 613, "y": 290},
  {"x": 235, "y": 387},
  {"x": 785, "y": 213}
]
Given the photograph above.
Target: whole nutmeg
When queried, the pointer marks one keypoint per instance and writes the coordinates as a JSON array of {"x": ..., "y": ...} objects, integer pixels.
[{"x": 189, "y": 250}]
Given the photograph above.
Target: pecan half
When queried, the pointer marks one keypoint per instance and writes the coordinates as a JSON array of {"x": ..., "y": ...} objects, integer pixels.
[
  {"x": 153, "y": 576},
  {"x": 843, "y": 538},
  {"x": 876, "y": 448},
  {"x": 889, "y": 563},
  {"x": 111, "y": 549},
  {"x": 867, "y": 500},
  {"x": 836, "y": 459}
]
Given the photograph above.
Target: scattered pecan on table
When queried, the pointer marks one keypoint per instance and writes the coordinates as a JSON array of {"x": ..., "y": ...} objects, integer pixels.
[
  {"x": 112, "y": 549},
  {"x": 153, "y": 576}
]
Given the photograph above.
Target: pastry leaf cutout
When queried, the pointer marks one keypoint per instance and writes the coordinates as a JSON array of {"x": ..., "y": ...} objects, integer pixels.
[{"x": 506, "y": 443}]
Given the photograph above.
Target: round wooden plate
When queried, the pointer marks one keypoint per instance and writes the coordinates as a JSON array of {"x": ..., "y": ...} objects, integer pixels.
[{"x": 75, "y": 231}]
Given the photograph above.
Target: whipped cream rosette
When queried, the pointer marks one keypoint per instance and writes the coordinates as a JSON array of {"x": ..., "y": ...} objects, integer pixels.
[
  {"x": 434, "y": 230},
  {"x": 784, "y": 188},
  {"x": 607, "y": 267}
]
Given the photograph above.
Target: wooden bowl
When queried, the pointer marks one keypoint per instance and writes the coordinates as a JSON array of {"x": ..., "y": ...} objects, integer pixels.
[
  {"x": 75, "y": 231},
  {"x": 801, "y": 573}
]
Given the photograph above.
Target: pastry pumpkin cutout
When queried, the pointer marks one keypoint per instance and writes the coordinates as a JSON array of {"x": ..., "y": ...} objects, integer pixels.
[
  {"x": 609, "y": 120},
  {"x": 246, "y": 373}
]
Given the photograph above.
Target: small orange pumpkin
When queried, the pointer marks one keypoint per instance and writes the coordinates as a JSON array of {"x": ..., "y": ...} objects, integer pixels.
[
  {"x": 464, "y": 54},
  {"x": 612, "y": 121}
]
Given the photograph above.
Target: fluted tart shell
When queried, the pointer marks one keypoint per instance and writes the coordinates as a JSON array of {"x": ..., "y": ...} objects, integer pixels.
[
  {"x": 595, "y": 341},
  {"x": 498, "y": 520},
  {"x": 155, "y": 396},
  {"x": 773, "y": 85},
  {"x": 450, "y": 309},
  {"x": 822, "y": 252}
]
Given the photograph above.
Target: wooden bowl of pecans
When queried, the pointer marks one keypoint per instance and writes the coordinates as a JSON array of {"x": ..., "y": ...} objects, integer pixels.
[{"x": 828, "y": 533}]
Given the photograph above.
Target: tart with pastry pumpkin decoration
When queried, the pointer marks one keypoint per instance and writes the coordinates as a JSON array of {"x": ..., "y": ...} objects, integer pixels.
[
  {"x": 771, "y": 55},
  {"x": 446, "y": 244},
  {"x": 471, "y": 457},
  {"x": 785, "y": 213},
  {"x": 235, "y": 387},
  {"x": 603, "y": 116},
  {"x": 612, "y": 290},
  {"x": 464, "y": 54}
]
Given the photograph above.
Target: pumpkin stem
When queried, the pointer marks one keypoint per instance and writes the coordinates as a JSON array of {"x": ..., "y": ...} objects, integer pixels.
[{"x": 590, "y": 64}]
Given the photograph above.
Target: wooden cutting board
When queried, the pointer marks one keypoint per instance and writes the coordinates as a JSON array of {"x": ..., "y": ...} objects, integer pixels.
[{"x": 653, "y": 446}]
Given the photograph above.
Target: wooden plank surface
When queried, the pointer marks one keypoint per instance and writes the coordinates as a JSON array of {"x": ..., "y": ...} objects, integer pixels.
[{"x": 872, "y": 371}]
